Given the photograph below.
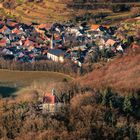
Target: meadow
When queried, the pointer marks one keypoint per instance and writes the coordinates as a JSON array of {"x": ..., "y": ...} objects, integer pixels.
[{"x": 15, "y": 81}]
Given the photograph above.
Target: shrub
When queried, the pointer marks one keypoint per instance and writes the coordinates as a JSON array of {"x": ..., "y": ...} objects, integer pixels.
[
  {"x": 120, "y": 8},
  {"x": 9, "y": 4}
]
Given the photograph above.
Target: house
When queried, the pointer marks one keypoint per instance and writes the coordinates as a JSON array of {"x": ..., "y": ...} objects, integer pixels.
[
  {"x": 95, "y": 27},
  {"x": 6, "y": 52},
  {"x": 119, "y": 48},
  {"x": 49, "y": 98},
  {"x": 3, "y": 42},
  {"x": 16, "y": 31},
  {"x": 1, "y": 24},
  {"x": 51, "y": 103},
  {"x": 44, "y": 26},
  {"x": 11, "y": 24},
  {"x": 135, "y": 47},
  {"x": 1, "y": 36},
  {"x": 110, "y": 42},
  {"x": 56, "y": 55},
  {"x": 28, "y": 43},
  {"x": 100, "y": 28},
  {"x": 81, "y": 48},
  {"x": 3, "y": 29}
]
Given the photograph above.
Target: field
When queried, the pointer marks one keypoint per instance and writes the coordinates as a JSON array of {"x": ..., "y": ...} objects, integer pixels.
[
  {"x": 50, "y": 11},
  {"x": 38, "y": 12},
  {"x": 14, "y": 81}
]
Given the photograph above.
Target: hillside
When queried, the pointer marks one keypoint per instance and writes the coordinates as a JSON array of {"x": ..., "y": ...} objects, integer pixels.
[
  {"x": 48, "y": 11},
  {"x": 27, "y": 12},
  {"x": 92, "y": 115},
  {"x": 15, "y": 81},
  {"x": 122, "y": 74}
]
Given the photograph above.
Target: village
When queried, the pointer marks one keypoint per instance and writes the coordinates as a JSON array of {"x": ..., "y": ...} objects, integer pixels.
[{"x": 78, "y": 43}]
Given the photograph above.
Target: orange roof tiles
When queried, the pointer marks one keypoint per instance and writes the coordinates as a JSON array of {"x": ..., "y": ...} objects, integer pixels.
[
  {"x": 110, "y": 42},
  {"x": 16, "y": 31},
  {"x": 46, "y": 26},
  {"x": 28, "y": 42},
  {"x": 95, "y": 27}
]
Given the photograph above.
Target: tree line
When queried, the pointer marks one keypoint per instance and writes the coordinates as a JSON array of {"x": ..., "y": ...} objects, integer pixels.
[{"x": 42, "y": 65}]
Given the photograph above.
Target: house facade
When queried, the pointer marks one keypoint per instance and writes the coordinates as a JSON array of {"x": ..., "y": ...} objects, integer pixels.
[
  {"x": 56, "y": 55},
  {"x": 51, "y": 103}
]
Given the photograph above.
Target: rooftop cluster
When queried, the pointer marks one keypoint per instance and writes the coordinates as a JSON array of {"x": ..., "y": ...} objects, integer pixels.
[{"x": 78, "y": 43}]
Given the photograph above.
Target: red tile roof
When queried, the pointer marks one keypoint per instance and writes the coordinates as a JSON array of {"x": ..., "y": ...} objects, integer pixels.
[
  {"x": 28, "y": 42},
  {"x": 3, "y": 42},
  {"x": 49, "y": 98},
  {"x": 46, "y": 26},
  {"x": 135, "y": 46},
  {"x": 3, "y": 29},
  {"x": 16, "y": 31},
  {"x": 2, "y": 22}
]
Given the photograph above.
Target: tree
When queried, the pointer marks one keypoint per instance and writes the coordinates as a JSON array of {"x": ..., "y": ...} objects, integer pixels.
[
  {"x": 9, "y": 4},
  {"x": 107, "y": 95},
  {"x": 120, "y": 8},
  {"x": 110, "y": 118},
  {"x": 127, "y": 106}
]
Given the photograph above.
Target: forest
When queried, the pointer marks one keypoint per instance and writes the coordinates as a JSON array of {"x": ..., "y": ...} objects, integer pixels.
[{"x": 91, "y": 114}]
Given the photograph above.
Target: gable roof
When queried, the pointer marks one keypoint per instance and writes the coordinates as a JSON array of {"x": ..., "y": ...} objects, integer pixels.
[
  {"x": 3, "y": 29},
  {"x": 56, "y": 52},
  {"x": 95, "y": 26},
  {"x": 46, "y": 26},
  {"x": 16, "y": 31},
  {"x": 135, "y": 46},
  {"x": 49, "y": 98},
  {"x": 3, "y": 42},
  {"x": 28, "y": 42},
  {"x": 110, "y": 42},
  {"x": 11, "y": 23}
]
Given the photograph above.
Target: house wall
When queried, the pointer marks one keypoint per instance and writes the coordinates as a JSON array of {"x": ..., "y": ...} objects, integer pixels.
[
  {"x": 52, "y": 107},
  {"x": 53, "y": 57},
  {"x": 61, "y": 59}
]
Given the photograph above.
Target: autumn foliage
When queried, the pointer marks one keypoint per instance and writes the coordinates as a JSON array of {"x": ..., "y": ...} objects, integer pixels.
[{"x": 122, "y": 74}]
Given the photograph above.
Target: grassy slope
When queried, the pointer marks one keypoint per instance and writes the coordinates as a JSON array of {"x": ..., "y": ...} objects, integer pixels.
[
  {"x": 131, "y": 26},
  {"x": 123, "y": 74},
  {"x": 40, "y": 12},
  {"x": 49, "y": 11},
  {"x": 12, "y": 78},
  {"x": 17, "y": 82}
]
